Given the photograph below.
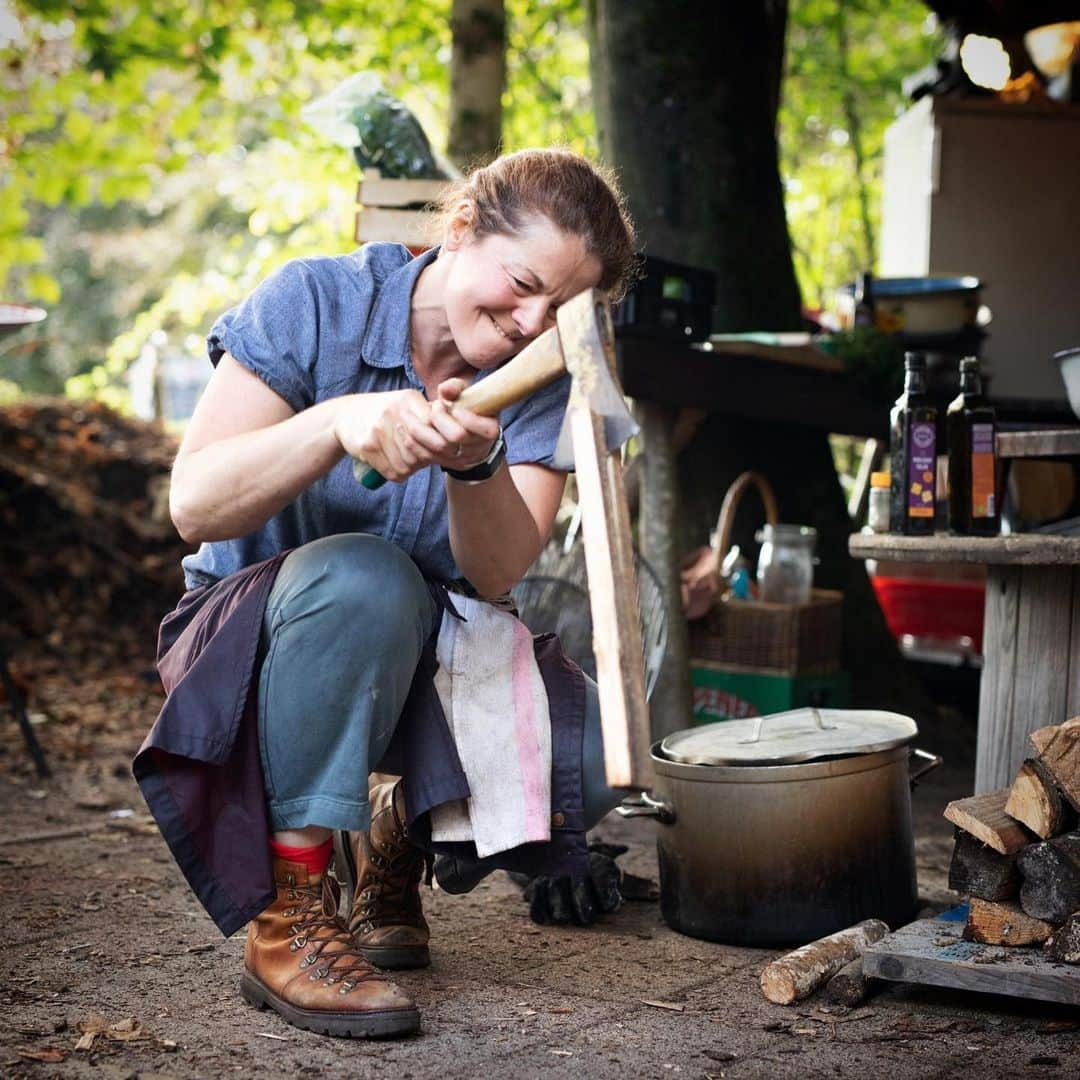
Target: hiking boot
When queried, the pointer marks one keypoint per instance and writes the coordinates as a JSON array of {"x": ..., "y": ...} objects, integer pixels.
[
  {"x": 301, "y": 961},
  {"x": 380, "y": 873}
]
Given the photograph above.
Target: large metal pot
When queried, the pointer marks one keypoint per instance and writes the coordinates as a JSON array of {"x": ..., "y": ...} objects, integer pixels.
[{"x": 770, "y": 854}]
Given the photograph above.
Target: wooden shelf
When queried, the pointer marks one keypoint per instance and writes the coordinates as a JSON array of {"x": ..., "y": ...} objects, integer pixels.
[
  {"x": 1026, "y": 549},
  {"x": 1044, "y": 443}
]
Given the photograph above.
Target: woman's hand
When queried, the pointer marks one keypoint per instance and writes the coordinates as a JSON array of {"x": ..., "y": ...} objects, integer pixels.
[{"x": 400, "y": 432}]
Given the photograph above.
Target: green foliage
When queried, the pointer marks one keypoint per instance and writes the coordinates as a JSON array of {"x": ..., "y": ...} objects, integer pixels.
[
  {"x": 844, "y": 63},
  {"x": 153, "y": 165},
  {"x": 874, "y": 359}
]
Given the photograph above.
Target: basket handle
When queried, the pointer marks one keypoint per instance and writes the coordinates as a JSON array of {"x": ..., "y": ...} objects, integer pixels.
[{"x": 725, "y": 524}]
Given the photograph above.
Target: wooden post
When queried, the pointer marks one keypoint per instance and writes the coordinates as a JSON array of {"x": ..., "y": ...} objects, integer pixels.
[
  {"x": 672, "y": 700},
  {"x": 588, "y": 344}
]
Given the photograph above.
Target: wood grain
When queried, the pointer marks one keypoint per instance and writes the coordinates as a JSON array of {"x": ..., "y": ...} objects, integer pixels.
[
  {"x": 931, "y": 952},
  {"x": 1035, "y": 802},
  {"x": 1004, "y": 923},
  {"x": 1022, "y": 548},
  {"x": 588, "y": 346},
  {"x": 984, "y": 817},
  {"x": 1059, "y": 442}
]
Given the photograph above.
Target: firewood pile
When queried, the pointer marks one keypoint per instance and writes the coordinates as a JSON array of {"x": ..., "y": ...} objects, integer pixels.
[
  {"x": 89, "y": 560},
  {"x": 1017, "y": 853}
]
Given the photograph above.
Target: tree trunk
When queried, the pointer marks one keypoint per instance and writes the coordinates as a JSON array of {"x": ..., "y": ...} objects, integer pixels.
[
  {"x": 477, "y": 80},
  {"x": 686, "y": 99}
]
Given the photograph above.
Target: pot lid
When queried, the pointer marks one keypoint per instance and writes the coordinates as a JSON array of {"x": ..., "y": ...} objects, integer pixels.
[{"x": 789, "y": 737}]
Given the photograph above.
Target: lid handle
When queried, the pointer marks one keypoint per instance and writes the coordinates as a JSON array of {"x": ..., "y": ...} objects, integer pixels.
[{"x": 759, "y": 724}]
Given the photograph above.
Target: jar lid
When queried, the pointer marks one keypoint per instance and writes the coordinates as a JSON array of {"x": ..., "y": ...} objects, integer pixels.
[
  {"x": 789, "y": 737},
  {"x": 879, "y": 479},
  {"x": 786, "y": 534}
]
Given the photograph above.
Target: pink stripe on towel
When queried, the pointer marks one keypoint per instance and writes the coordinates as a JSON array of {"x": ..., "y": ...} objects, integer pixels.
[{"x": 533, "y": 791}]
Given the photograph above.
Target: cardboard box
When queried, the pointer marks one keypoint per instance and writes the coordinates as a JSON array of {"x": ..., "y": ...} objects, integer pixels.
[{"x": 726, "y": 693}]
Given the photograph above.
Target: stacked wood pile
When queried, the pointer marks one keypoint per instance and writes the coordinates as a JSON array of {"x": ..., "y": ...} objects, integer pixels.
[
  {"x": 1017, "y": 853},
  {"x": 89, "y": 559}
]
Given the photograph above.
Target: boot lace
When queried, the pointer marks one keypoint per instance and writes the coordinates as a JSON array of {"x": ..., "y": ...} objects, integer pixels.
[
  {"x": 325, "y": 940},
  {"x": 388, "y": 894}
]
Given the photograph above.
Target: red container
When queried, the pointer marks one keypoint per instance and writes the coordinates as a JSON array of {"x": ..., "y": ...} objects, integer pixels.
[{"x": 926, "y": 608}]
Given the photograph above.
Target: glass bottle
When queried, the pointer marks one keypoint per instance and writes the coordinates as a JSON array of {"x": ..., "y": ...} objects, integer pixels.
[
  {"x": 913, "y": 452},
  {"x": 785, "y": 569},
  {"x": 974, "y": 507},
  {"x": 864, "y": 299},
  {"x": 877, "y": 513}
]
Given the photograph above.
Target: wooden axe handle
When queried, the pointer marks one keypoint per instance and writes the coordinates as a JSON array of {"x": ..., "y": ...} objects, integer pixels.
[{"x": 540, "y": 363}]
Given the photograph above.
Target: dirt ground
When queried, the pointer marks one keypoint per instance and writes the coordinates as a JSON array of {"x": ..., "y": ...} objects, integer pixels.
[{"x": 110, "y": 968}]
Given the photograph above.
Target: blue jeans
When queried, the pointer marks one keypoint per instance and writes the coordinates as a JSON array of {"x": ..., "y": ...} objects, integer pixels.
[{"x": 344, "y": 629}]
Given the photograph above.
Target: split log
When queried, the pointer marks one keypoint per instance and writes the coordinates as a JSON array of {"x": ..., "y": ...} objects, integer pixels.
[
  {"x": 1058, "y": 749},
  {"x": 1004, "y": 924},
  {"x": 1051, "y": 872},
  {"x": 1064, "y": 946},
  {"x": 984, "y": 817},
  {"x": 1035, "y": 801},
  {"x": 978, "y": 870},
  {"x": 850, "y": 986},
  {"x": 800, "y": 973}
]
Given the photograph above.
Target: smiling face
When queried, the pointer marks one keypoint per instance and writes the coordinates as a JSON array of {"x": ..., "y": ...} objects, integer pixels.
[{"x": 502, "y": 290}]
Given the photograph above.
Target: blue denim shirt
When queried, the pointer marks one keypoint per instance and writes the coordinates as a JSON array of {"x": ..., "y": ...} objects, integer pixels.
[{"x": 322, "y": 327}]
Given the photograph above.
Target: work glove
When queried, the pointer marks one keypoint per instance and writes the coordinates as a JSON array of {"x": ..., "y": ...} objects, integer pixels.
[{"x": 582, "y": 900}]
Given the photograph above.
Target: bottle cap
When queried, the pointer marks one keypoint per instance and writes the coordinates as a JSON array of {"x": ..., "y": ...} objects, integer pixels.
[{"x": 879, "y": 479}]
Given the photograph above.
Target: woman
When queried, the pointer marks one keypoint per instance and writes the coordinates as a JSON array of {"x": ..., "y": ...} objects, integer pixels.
[{"x": 303, "y": 654}]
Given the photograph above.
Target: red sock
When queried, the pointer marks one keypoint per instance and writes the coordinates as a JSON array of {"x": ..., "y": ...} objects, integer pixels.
[{"x": 316, "y": 858}]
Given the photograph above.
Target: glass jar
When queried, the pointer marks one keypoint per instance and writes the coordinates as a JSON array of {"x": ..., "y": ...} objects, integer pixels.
[
  {"x": 877, "y": 511},
  {"x": 785, "y": 570}
]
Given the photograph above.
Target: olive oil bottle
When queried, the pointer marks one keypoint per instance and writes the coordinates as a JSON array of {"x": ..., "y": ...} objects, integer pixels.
[
  {"x": 974, "y": 506},
  {"x": 913, "y": 446}
]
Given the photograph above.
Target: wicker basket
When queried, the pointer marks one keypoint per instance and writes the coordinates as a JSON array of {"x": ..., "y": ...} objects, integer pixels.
[{"x": 784, "y": 639}]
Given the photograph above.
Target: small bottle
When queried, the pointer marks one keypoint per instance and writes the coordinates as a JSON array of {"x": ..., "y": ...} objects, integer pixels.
[
  {"x": 913, "y": 453},
  {"x": 877, "y": 513},
  {"x": 974, "y": 507},
  {"x": 864, "y": 299}
]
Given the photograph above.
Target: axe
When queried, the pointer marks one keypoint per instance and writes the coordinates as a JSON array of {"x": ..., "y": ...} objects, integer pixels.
[{"x": 596, "y": 424}]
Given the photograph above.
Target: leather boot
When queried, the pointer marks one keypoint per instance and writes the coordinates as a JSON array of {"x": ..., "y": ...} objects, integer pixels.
[
  {"x": 301, "y": 961},
  {"x": 380, "y": 872}
]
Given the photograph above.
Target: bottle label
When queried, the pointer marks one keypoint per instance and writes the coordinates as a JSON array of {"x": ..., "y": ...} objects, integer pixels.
[
  {"x": 982, "y": 470},
  {"x": 922, "y": 469}
]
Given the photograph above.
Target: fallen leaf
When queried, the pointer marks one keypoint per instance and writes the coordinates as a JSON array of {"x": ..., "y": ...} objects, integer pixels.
[{"x": 673, "y": 1006}]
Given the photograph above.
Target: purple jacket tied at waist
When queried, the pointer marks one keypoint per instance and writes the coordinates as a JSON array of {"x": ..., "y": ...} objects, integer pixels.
[{"x": 199, "y": 767}]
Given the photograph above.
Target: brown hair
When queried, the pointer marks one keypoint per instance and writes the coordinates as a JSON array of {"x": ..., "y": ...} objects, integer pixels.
[{"x": 575, "y": 195}]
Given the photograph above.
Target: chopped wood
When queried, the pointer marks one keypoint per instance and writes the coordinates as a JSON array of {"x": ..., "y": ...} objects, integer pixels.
[
  {"x": 984, "y": 817},
  {"x": 978, "y": 870},
  {"x": 1051, "y": 872},
  {"x": 1058, "y": 749},
  {"x": 1004, "y": 924},
  {"x": 1035, "y": 801},
  {"x": 850, "y": 986},
  {"x": 800, "y": 973},
  {"x": 1064, "y": 946}
]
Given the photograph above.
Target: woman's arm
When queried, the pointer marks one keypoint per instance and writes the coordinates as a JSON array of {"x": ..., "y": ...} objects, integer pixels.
[
  {"x": 246, "y": 455},
  {"x": 499, "y": 527}
]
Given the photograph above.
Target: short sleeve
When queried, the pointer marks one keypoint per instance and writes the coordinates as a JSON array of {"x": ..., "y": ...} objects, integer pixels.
[
  {"x": 531, "y": 428},
  {"x": 274, "y": 333}
]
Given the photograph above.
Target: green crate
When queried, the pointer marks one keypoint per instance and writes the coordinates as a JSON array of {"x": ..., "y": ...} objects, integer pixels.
[{"x": 725, "y": 693}]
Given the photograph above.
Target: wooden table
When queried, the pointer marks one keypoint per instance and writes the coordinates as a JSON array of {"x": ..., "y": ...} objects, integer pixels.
[{"x": 1031, "y": 635}]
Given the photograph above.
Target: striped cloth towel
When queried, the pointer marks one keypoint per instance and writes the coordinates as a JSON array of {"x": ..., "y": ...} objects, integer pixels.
[{"x": 497, "y": 709}]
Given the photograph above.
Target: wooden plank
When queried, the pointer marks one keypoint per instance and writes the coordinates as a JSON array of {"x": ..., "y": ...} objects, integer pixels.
[
  {"x": 1044, "y": 616},
  {"x": 984, "y": 817},
  {"x": 409, "y": 227},
  {"x": 588, "y": 346},
  {"x": 376, "y": 190},
  {"x": 998, "y": 682},
  {"x": 1060, "y": 442},
  {"x": 932, "y": 952},
  {"x": 1016, "y": 548}
]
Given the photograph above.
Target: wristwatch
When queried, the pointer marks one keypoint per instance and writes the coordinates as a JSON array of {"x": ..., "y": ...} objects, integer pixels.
[{"x": 482, "y": 470}]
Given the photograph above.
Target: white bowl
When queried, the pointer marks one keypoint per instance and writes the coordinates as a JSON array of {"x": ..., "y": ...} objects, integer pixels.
[{"x": 1069, "y": 362}]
